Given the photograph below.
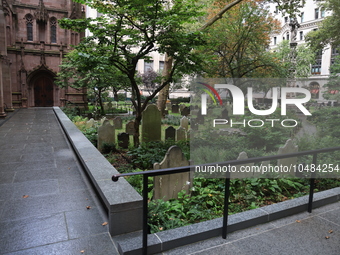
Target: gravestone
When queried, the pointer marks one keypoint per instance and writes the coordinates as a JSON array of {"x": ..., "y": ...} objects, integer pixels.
[
  {"x": 175, "y": 108},
  {"x": 188, "y": 134},
  {"x": 184, "y": 122},
  {"x": 118, "y": 123},
  {"x": 102, "y": 120},
  {"x": 180, "y": 134},
  {"x": 225, "y": 114},
  {"x": 194, "y": 113},
  {"x": 185, "y": 111},
  {"x": 167, "y": 186},
  {"x": 130, "y": 128},
  {"x": 168, "y": 106},
  {"x": 90, "y": 123},
  {"x": 123, "y": 140},
  {"x": 238, "y": 173},
  {"x": 289, "y": 147},
  {"x": 170, "y": 133},
  {"x": 151, "y": 124},
  {"x": 106, "y": 134},
  {"x": 181, "y": 107}
]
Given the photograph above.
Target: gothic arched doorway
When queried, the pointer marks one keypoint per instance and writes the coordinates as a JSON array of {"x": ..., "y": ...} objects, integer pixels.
[{"x": 43, "y": 91}]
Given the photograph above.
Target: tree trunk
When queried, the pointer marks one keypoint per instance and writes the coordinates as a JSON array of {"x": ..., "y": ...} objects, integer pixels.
[
  {"x": 164, "y": 93},
  {"x": 138, "y": 119}
]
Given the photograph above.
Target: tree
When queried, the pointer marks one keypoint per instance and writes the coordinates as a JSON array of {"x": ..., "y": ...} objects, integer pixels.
[
  {"x": 304, "y": 58},
  {"x": 238, "y": 42},
  {"x": 129, "y": 30},
  {"x": 85, "y": 68},
  {"x": 285, "y": 6},
  {"x": 328, "y": 32}
]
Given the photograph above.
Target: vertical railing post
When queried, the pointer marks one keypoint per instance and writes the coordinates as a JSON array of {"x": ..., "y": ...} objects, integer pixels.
[
  {"x": 145, "y": 214},
  {"x": 311, "y": 185},
  {"x": 226, "y": 205}
]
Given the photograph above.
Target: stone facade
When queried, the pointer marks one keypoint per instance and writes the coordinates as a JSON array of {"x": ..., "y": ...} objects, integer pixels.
[{"x": 32, "y": 46}]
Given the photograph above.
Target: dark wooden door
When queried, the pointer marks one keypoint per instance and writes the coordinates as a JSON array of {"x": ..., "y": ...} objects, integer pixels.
[{"x": 43, "y": 92}]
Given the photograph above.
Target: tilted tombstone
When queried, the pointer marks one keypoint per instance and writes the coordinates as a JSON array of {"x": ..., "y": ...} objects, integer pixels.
[
  {"x": 185, "y": 111},
  {"x": 106, "y": 134},
  {"x": 167, "y": 186},
  {"x": 170, "y": 133},
  {"x": 130, "y": 128},
  {"x": 175, "y": 108},
  {"x": 180, "y": 134},
  {"x": 118, "y": 123},
  {"x": 287, "y": 163},
  {"x": 184, "y": 122},
  {"x": 123, "y": 140},
  {"x": 90, "y": 123},
  {"x": 151, "y": 124}
]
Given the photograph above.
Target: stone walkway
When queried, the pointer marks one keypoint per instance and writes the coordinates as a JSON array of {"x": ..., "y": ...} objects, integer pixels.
[{"x": 47, "y": 205}]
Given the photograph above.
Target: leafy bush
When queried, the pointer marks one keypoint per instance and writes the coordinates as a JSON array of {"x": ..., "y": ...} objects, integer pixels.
[{"x": 149, "y": 153}]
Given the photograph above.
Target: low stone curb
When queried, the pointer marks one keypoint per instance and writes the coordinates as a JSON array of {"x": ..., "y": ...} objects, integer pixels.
[
  {"x": 122, "y": 201},
  {"x": 131, "y": 244}
]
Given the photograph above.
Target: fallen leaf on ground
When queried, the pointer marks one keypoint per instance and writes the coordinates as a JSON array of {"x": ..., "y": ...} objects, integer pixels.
[
  {"x": 82, "y": 251},
  {"x": 25, "y": 196},
  {"x": 327, "y": 237},
  {"x": 298, "y": 221},
  {"x": 104, "y": 224},
  {"x": 88, "y": 207},
  {"x": 330, "y": 231}
]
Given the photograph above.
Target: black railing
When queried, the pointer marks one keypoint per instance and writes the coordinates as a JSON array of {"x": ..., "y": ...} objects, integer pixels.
[{"x": 152, "y": 173}]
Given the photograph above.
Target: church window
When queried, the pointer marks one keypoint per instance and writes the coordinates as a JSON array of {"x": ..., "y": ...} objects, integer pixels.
[
  {"x": 53, "y": 25},
  {"x": 29, "y": 27}
]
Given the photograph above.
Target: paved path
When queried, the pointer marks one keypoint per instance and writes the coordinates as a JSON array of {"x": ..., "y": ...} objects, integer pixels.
[
  {"x": 316, "y": 233},
  {"x": 44, "y": 194}
]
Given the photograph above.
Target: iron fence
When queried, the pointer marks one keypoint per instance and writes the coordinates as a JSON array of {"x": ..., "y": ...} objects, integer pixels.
[{"x": 152, "y": 173}]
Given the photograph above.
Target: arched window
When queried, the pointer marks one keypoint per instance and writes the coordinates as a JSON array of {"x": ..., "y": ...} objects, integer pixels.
[
  {"x": 53, "y": 26},
  {"x": 29, "y": 27}
]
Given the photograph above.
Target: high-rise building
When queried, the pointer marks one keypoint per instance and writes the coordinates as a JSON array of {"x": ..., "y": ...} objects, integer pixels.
[{"x": 32, "y": 46}]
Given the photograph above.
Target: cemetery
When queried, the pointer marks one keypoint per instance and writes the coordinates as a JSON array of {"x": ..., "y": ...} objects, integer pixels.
[{"x": 187, "y": 199}]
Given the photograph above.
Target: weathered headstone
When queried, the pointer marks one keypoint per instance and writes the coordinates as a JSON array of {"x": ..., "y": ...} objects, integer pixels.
[
  {"x": 170, "y": 133},
  {"x": 102, "y": 120},
  {"x": 168, "y": 106},
  {"x": 123, "y": 140},
  {"x": 130, "y": 128},
  {"x": 239, "y": 174},
  {"x": 175, "y": 108},
  {"x": 181, "y": 107},
  {"x": 118, "y": 123},
  {"x": 90, "y": 123},
  {"x": 225, "y": 114},
  {"x": 188, "y": 134},
  {"x": 151, "y": 124},
  {"x": 106, "y": 134},
  {"x": 184, "y": 122},
  {"x": 185, "y": 111},
  {"x": 289, "y": 163},
  {"x": 167, "y": 186},
  {"x": 180, "y": 134}
]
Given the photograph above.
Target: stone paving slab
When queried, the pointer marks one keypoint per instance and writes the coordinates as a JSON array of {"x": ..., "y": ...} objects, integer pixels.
[
  {"x": 44, "y": 193},
  {"x": 300, "y": 234}
]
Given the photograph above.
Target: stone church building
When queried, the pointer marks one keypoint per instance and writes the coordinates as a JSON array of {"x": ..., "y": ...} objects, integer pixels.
[{"x": 32, "y": 46}]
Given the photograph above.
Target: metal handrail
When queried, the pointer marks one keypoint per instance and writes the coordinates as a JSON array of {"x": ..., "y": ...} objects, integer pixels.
[{"x": 174, "y": 170}]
